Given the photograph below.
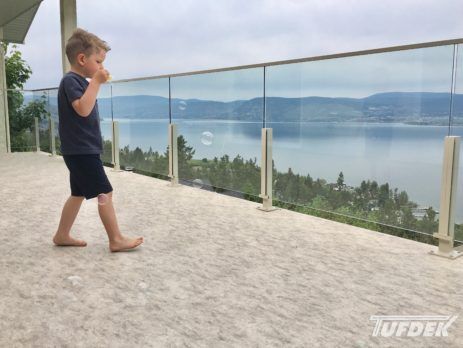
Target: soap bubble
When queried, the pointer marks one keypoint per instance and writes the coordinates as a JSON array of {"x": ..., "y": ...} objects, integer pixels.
[
  {"x": 102, "y": 199},
  {"x": 143, "y": 285},
  {"x": 75, "y": 280},
  {"x": 182, "y": 105},
  {"x": 198, "y": 183},
  {"x": 207, "y": 138}
]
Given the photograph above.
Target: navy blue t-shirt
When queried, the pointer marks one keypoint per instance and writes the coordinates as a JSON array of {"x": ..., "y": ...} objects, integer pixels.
[{"x": 79, "y": 135}]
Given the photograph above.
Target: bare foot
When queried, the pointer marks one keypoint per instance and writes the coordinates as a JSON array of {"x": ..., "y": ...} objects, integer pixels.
[
  {"x": 125, "y": 244},
  {"x": 68, "y": 241}
]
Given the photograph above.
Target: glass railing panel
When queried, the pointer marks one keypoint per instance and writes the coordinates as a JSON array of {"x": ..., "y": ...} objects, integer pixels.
[
  {"x": 105, "y": 112},
  {"x": 21, "y": 111},
  {"x": 106, "y": 133},
  {"x": 362, "y": 136},
  {"x": 40, "y": 102},
  {"x": 219, "y": 118},
  {"x": 457, "y": 130},
  {"x": 52, "y": 110},
  {"x": 142, "y": 110},
  {"x": 104, "y": 102}
]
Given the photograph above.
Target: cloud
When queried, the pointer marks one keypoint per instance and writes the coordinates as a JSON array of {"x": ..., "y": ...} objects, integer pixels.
[{"x": 158, "y": 37}]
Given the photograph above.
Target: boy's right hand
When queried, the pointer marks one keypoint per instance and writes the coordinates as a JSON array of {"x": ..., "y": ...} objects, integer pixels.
[{"x": 101, "y": 76}]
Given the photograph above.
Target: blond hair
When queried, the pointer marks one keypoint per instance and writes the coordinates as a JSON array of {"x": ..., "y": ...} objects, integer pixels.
[{"x": 81, "y": 41}]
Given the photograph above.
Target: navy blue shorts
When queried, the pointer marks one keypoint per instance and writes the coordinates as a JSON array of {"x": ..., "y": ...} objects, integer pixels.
[{"x": 87, "y": 175}]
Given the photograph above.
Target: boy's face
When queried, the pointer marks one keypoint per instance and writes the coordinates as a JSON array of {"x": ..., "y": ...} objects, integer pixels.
[{"x": 92, "y": 63}]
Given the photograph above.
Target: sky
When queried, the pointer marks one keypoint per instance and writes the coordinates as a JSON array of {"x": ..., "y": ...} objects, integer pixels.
[{"x": 151, "y": 37}]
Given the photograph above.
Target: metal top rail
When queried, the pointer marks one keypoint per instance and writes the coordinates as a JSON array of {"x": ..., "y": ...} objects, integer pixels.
[{"x": 292, "y": 61}]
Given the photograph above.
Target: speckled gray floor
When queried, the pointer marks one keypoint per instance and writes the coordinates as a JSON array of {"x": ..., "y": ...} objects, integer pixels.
[{"x": 213, "y": 272}]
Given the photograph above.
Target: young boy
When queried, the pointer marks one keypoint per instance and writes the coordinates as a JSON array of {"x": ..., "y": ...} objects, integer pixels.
[{"x": 81, "y": 141}]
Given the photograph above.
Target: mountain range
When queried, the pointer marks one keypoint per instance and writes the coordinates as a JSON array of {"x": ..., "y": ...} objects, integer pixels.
[{"x": 404, "y": 107}]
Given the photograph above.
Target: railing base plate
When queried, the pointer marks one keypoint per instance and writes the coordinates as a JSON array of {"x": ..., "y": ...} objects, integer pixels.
[
  {"x": 451, "y": 255},
  {"x": 173, "y": 183},
  {"x": 267, "y": 209}
]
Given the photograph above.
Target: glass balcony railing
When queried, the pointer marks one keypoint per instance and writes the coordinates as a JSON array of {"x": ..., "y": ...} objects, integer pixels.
[
  {"x": 41, "y": 101},
  {"x": 142, "y": 110},
  {"x": 365, "y": 134},
  {"x": 358, "y": 135},
  {"x": 105, "y": 112},
  {"x": 219, "y": 117},
  {"x": 457, "y": 130},
  {"x": 52, "y": 110},
  {"x": 21, "y": 121}
]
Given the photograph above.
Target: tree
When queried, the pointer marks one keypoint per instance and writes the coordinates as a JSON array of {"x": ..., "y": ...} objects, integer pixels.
[
  {"x": 24, "y": 116},
  {"x": 340, "y": 181},
  {"x": 22, "y": 120},
  {"x": 21, "y": 117},
  {"x": 17, "y": 70},
  {"x": 17, "y": 73},
  {"x": 185, "y": 155}
]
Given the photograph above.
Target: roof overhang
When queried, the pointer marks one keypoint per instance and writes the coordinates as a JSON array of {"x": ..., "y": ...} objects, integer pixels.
[{"x": 16, "y": 17}]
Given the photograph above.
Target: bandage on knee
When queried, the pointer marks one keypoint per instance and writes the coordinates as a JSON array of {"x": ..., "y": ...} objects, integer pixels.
[{"x": 103, "y": 199}]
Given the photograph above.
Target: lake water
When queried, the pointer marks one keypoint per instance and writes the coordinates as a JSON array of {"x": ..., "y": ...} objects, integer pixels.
[{"x": 405, "y": 156}]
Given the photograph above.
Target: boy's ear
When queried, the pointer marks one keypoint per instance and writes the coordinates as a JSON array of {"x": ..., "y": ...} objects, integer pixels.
[{"x": 81, "y": 59}]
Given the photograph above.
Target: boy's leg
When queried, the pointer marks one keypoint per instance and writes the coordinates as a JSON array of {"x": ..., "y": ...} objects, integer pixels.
[
  {"x": 117, "y": 242},
  {"x": 68, "y": 216}
]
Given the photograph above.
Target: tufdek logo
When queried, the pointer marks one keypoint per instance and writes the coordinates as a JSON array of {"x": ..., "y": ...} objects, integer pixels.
[{"x": 412, "y": 325}]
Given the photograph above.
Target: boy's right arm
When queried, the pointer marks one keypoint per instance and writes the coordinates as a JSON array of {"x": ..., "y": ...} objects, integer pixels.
[{"x": 86, "y": 103}]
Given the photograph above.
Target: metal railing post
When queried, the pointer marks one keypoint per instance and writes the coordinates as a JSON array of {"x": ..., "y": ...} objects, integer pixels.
[
  {"x": 115, "y": 146},
  {"x": 173, "y": 154},
  {"x": 37, "y": 134},
  {"x": 4, "y": 98},
  {"x": 51, "y": 127},
  {"x": 266, "y": 170},
  {"x": 448, "y": 200}
]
